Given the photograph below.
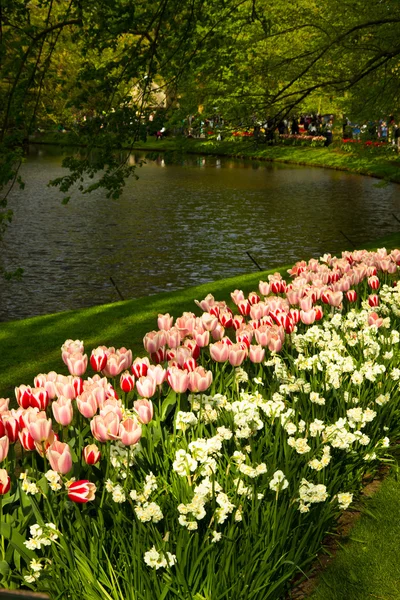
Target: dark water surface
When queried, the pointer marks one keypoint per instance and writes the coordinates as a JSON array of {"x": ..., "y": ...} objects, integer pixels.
[{"x": 177, "y": 226}]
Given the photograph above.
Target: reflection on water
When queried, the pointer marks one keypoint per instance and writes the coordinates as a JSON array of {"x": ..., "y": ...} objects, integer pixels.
[{"x": 187, "y": 220}]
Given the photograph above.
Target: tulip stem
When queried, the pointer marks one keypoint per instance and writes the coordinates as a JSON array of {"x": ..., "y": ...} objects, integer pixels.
[{"x": 3, "y": 553}]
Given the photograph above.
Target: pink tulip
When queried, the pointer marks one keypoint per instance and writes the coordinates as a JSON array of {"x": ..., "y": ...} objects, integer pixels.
[
  {"x": 202, "y": 338},
  {"x": 218, "y": 332},
  {"x": 130, "y": 432},
  {"x": 209, "y": 322},
  {"x": 81, "y": 491},
  {"x": 4, "y": 447},
  {"x": 59, "y": 457},
  {"x": 219, "y": 351},
  {"x": 87, "y": 404},
  {"x": 71, "y": 347},
  {"x": 44, "y": 445},
  {"x": 146, "y": 387},
  {"x": 153, "y": 340},
  {"x": 77, "y": 363},
  {"x": 276, "y": 336},
  {"x": 5, "y": 482},
  {"x": 256, "y": 354},
  {"x": 127, "y": 382},
  {"x": 157, "y": 373},
  {"x": 63, "y": 411},
  {"x": 262, "y": 335},
  {"x": 237, "y": 354},
  {"x": 4, "y": 404},
  {"x": 140, "y": 366},
  {"x": 199, "y": 380},
  {"x": 105, "y": 428},
  {"x": 40, "y": 427},
  {"x": 173, "y": 338},
  {"x": 165, "y": 321},
  {"x": 237, "y": 296},
  {"x": 117, "y": 361},
  {"x": 91, "y": 454},
  {"x": 264, "y": 288},
  {"x": 111, "y": 405},
  {"x": 374, "y": 319},
  {"x": 335, "y": 299},
  {"x": 307, "y": 317},
  {"x": 144, "y": 409},
  {"x": 178, "y": 379},
  {"x": 306, "y": 303}
]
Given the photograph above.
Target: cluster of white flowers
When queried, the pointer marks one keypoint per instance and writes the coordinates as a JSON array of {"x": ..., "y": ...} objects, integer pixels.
[
  {"x": 311, "y": 494},
  {"x": 344, "y": 500},
  {"x": 246, "y": 416},
  {"x": 41, "y": 535},
  {"x": 28, "y": 486},
  {"x": 278, "y": 482},
  {"x": 159, "y": 560},
  {"x": 318, "y": 465},
  {"x": 147, "y": 511},
  {"x": 54, "y": 480},
  {"x": 185, "y": 420},
  {"x": 36, "y": 567}
]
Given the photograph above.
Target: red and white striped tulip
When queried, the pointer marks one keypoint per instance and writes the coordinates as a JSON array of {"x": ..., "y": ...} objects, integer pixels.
[
  {"x": 26, "y": 440},
  {"x": 373, "y": 300},
  {"x": 127, "y": 382},
  {"x": 140, "y": 366},
  {"x": 23, "y": 394},
  {"x": 81, "y": 491},
  {"x": 98, "y": 358},
  {"x": 5, "y": 482},
  {"x": 91, "y": 454}
]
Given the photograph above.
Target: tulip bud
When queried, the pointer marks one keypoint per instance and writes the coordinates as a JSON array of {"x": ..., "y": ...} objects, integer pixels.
[
  {"x": 91, "y": 454},
  {"x": 351, "y": 295},
  {"x": 4, "y": 447}
]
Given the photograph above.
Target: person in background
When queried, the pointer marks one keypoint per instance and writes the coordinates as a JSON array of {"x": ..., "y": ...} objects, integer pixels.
[{"x": 328, "y": 133}]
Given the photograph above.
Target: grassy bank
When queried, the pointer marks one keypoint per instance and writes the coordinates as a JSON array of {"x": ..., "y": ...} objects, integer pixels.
[
  {"x": 32, "y": 346},
  {"x": 366, "y": 565},
  {"x": 369, "y": 162}
]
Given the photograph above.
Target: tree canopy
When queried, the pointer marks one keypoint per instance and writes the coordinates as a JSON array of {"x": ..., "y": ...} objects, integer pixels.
[{"x": 99, "y": 69}]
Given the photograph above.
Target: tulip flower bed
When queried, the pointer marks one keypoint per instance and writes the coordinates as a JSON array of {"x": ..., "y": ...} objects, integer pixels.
[{"x": 212, "y": 466}]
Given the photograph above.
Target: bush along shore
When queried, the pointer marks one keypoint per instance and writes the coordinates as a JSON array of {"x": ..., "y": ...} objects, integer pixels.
[
  {"x": 379, "y": 161},
  {"x": 211, "y": 465}
]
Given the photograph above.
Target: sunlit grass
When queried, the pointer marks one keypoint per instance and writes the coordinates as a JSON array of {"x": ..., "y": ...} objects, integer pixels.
[{"x": 367, "y": 564}]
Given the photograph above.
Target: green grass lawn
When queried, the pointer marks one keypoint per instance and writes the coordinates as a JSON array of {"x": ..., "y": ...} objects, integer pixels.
[{"x": 366, "y": 566}]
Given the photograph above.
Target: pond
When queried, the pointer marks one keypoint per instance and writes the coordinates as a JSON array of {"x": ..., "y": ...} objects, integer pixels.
[{"x": 180, "y": 224}]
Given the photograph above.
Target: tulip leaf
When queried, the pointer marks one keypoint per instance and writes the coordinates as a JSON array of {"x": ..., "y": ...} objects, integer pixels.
[
  {"x": 168, "y": 404},
  {"x": 17, "y": 541},
  {"x": 4, "y": 568}
]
